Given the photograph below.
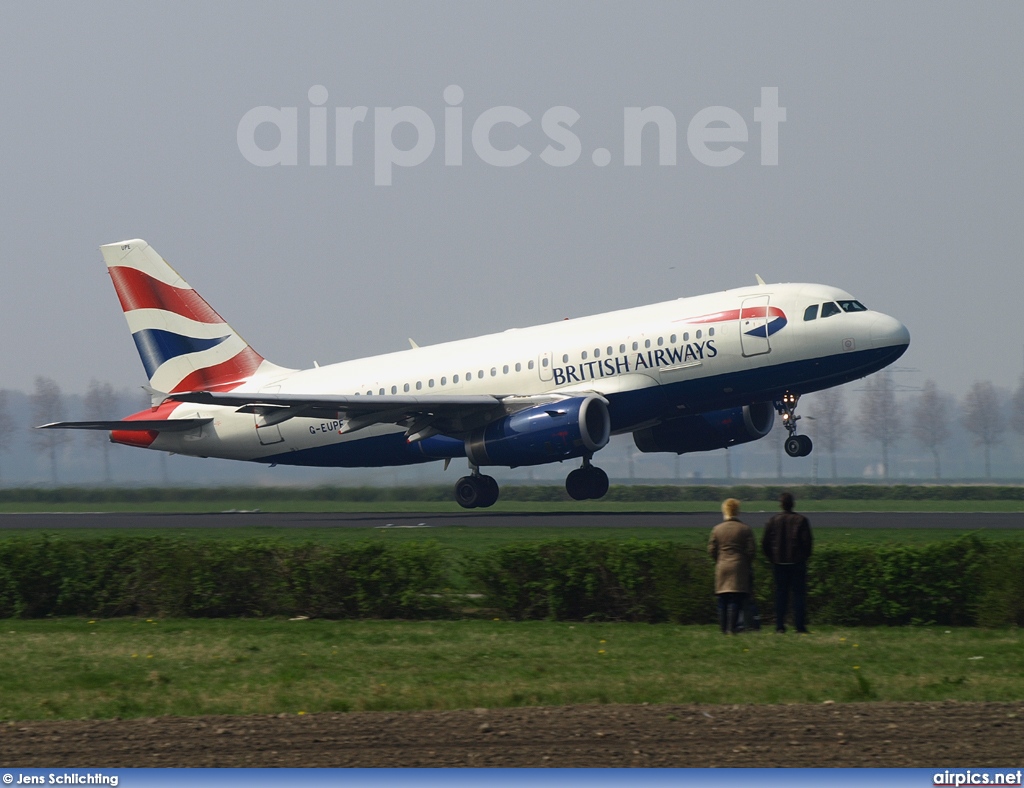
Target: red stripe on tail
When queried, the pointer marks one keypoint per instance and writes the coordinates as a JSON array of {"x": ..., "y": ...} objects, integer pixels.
[
  {"x": 138, "y": 290},
  {"x": 233, "y": 372}
]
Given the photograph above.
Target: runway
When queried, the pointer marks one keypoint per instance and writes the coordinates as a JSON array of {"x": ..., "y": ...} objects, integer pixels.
[{"x": 51, "y": 521}]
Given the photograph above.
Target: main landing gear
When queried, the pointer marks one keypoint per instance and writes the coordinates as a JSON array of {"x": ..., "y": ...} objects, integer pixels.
[
  {"x": 795, "y": 445},
  {"x": 586, "y": 482},
  {"x": 476, "y": 491}
]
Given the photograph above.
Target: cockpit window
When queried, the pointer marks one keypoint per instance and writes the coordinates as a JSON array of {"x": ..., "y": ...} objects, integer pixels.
[
  {"x": 828, "y": 309},
  {"x": 811, "y": 312},
  {"x": 853, "y": 306}
]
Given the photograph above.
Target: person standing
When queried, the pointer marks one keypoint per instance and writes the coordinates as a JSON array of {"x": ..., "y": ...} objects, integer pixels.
[
  {"x": 732, "y": 548},
  {"x": 787, "y": 542}
]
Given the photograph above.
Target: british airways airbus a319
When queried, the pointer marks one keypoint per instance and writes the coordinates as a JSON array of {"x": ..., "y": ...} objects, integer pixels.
[{"x": 694, "y": 374}]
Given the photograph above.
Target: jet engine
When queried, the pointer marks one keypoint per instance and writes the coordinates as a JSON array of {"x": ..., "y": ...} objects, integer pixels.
[
  {"x": 544, "y": 433},
  {"x": 706, "y": 431}
]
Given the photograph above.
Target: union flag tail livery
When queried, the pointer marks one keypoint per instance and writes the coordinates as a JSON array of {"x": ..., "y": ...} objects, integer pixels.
[
  {"x": 183, "y": 343},
  {"x": 693, "y": 374}
]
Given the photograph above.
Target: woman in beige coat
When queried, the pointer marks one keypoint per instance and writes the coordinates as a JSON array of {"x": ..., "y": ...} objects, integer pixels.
[{"x": 732, "y": 548}]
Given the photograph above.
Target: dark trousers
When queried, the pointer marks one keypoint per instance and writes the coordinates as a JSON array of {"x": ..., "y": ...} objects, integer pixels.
[
  {"x": 790, "y": 578},
  {"x": 729, "y": 605}
]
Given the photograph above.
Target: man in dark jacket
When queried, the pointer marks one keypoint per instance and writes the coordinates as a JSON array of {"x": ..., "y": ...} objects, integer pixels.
[{"x": 787, "y": 542}]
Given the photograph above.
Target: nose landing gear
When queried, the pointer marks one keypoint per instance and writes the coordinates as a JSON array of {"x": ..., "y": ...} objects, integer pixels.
[
  {"x": 795, "y": 445},
  {"x": 586, "y": 482}
]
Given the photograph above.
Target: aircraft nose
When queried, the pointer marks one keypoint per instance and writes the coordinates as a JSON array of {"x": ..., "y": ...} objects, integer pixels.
[{"x": 889, "y": 332}]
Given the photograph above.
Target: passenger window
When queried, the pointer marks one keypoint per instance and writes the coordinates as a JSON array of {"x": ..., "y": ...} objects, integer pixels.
[
  {"x": 455, "y": 378},
  {"x": 530, "y": 364},
  {"x": 504, "y": 370},
  {"x": 597, "y": 352},
  {"x": 811, "y": 313},
  {"x": 519, "y": 367},
  {"x": 405, "y": 387},
  {"x": 382, "y": 392},
  {"x": 661, "y": 341},
  {"x": 565, "y": 358},
  {"x": 444, "y": 381},
  {"x": 494, "y": 371},
  {"x": 698, "y": 334},
  {"x": 635, "y": 346},
  {"x": 544, "y": 362},
  {"x": 828, "y": 309},
  {"x": 431, "y": 383},
  {"x": 647, "y": 343},
  {"x": 480, "y": 373},
  {"x": 711, "y": 332},
  {"x": 394, "y": 389},
  {"x": 686, "y": 336},
  {"x": 672, "y": 339},
  {"x": 469, "y": 376},
  {"x": 611, "y": 350},
  {"x": 622, "y": 348},
  {"x": 419, "y": 385},
  {"x": 584, "y": 355}
]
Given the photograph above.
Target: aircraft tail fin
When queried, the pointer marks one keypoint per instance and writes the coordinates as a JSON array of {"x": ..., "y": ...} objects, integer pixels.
[{"x": 183, "y": 343}]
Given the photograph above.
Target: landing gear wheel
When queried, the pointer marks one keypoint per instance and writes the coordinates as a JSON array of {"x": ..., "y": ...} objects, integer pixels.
[
  {"x": 467, "y": 492},
  {"x": 598, "y": 483},
  {"x": 576, "y": 485},
  {"x": 805, "y": 445},
  {"x": 489, "y": 491},
  {"x": 794, "y": 446},
  {"x": 472, "y": 492}
]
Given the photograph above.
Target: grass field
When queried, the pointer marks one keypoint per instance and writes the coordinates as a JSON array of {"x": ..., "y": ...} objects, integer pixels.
[
  {"x": 254, "y": 502},
  {"x": 472, "y": 539},
  {"x": 73, "y": 668}
]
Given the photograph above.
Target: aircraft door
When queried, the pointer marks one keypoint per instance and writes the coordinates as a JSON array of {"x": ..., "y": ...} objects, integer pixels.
[
  {"x": 545, "y": 367},
  {"x": 754, "y": 326},
  {"x": 270, "y": 433}
]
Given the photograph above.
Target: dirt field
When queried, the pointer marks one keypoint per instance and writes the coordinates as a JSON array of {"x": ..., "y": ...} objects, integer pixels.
[{"x": 860, "y": 734}]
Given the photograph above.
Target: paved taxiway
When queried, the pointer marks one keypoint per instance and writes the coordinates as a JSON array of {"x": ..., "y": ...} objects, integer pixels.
[{"x": 57, "y": 520}]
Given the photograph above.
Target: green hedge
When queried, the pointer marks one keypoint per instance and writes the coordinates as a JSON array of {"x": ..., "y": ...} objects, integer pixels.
[
  {"x": 967, "y": 581},
  {"x": 156, "y": 576},
  {"x": 530, "y": 493}
]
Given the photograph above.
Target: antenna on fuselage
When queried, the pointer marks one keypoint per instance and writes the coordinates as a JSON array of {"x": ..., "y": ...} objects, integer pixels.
[{"x": 760, "y": 281}]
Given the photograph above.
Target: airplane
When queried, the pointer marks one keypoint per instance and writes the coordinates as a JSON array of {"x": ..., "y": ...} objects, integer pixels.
[{"x": 693, "y": 374}]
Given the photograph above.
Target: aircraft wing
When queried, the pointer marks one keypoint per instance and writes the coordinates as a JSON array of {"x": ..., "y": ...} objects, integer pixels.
[
  {"x": 136, "y": 425},
  {"x": 423, "y": 416}
]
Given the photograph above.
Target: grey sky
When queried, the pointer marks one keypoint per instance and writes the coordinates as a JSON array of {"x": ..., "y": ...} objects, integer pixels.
[{"x": 900, "y": 172}]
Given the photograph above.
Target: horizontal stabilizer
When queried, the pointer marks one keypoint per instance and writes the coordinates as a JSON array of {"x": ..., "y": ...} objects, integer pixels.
[{"x": 138, "y": 425}]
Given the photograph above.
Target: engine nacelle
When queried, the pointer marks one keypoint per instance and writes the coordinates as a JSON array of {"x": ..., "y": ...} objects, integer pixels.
[
  {"x": 706, "y": 431},
  {"x": 543, "y": 433}
]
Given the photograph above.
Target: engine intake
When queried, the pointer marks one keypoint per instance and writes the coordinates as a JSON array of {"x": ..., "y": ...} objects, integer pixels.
[
  {"x": 543, "y": 433},
  {"x": 707, "y": 431}
]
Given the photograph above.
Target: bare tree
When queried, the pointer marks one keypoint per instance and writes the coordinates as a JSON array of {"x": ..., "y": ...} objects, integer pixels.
[
  {"x": 879, "y": 414},
  {"x": 830, "y": 422},
  {"x": 6, "y": 422},
  {"x": 983, "y": 418},
  {"x": 47, "y": 403},
  {"x": 929, "y": 422},
  {"x": 101, "y": 405}
]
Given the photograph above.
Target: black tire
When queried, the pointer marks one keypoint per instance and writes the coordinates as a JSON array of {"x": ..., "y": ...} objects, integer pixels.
[
  {"x": 805, "y": 445},
  {"x": 467, "y": 492},
  {"x": 598, "y": 483},
  {"x": 576, "y": 485},
  {"x": 794, "y": 446},
  {"x": 489, "y": 491}
]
